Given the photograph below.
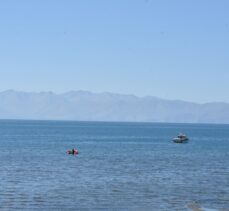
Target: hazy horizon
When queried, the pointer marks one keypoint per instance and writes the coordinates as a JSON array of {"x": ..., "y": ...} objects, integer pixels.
[
  {"x": 108, "y": 92},
  {"x": 106, "y": 106}
]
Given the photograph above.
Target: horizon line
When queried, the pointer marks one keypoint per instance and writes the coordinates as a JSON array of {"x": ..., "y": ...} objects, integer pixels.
[{"x": 104, "y": 121}]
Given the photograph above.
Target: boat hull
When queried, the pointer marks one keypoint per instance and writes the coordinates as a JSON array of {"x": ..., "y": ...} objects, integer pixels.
[{"x": 180, "y": 141}]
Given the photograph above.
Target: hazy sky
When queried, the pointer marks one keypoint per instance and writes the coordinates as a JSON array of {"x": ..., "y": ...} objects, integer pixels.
[{"x": 175, "y": 49}]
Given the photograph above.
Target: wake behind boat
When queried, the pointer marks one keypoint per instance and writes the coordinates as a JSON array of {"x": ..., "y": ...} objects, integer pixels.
[{"x": 181, "y": 138}]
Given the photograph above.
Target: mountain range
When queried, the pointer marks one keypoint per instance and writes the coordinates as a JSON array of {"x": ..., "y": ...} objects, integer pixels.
[{"x": 88, "y": 106}]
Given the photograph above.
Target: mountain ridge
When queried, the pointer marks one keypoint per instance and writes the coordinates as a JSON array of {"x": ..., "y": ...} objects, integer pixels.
[{"x": 88, "y": 106}]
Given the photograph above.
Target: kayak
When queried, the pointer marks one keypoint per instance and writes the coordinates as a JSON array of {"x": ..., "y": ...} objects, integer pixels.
[{"x": 76, "y": 152}]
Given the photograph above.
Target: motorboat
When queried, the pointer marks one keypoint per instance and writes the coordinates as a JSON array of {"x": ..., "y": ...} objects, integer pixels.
[{"x": 181, "y": 138}]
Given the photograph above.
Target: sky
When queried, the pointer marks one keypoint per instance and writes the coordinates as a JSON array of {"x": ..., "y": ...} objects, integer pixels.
[{"x": 170, "y": 49}]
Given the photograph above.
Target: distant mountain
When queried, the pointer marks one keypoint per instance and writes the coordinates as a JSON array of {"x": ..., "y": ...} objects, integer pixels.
[{"x": 88, "y": 106}]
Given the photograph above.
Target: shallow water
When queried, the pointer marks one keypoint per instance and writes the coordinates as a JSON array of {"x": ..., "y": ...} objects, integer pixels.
[{"x": 121, "y": 166}]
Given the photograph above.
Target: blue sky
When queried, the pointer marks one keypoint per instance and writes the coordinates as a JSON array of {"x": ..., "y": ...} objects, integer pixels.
[{"x": 171, "y": 49}]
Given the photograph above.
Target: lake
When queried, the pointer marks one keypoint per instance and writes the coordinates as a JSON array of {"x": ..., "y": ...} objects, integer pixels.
[{"x": 120, "y": 166}]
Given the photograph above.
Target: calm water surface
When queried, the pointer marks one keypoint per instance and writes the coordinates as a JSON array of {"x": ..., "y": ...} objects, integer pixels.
[{"x": 121, "y": 166}]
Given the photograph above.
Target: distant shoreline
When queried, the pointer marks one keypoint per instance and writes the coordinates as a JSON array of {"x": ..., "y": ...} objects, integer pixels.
[
  {"x": 109, "y": 122},
  {"x": 108, "y": 107}
]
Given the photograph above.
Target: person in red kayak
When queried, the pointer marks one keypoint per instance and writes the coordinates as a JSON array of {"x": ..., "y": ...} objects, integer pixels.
[{"x": 73, "y": 151}]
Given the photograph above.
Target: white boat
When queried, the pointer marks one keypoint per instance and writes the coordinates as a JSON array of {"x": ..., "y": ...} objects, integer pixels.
[{"x": 181, "y": 138}]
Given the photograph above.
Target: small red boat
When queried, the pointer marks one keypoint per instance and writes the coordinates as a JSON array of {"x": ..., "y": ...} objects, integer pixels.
[{"x": 73, "y": 152}]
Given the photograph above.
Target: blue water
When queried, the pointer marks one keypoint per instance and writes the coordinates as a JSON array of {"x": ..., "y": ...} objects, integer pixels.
[{"x": 121, "y": 166}]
